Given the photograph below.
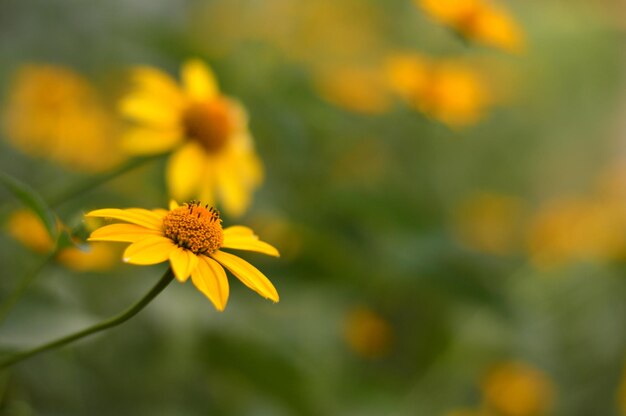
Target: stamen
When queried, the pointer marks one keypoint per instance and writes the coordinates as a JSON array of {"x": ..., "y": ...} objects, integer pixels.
[{"x": 194, "y": 228}]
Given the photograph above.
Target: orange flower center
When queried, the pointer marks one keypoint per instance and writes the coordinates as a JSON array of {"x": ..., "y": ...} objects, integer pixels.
[
  {"x": 195, "y": 228},
  {"x": 210, "y": 123}
]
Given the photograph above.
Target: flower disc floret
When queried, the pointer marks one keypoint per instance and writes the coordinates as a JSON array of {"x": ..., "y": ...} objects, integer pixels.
[
  {"x": 194, "y": 227},
  {"x": 210, "y": 123}
]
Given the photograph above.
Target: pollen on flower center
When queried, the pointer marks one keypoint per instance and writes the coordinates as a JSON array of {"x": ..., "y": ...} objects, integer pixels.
[
  {"x": 194, "y": 227},
  {"x": 209, "y": 123}
]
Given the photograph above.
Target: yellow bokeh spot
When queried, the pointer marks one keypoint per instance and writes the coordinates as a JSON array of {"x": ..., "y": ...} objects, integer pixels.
[
  {"x": 517, "y": 389},
  {"x": 479, "y": 20},
  {"x": 54, "y": 113},
  {"x": 447, "y": 90},
  {"x": 28, "y": 230},
  {"x": 367, "y": 333}
]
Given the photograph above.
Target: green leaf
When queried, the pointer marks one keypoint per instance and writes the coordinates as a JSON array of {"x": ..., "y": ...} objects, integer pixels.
[{"x": 29, "y": 197}]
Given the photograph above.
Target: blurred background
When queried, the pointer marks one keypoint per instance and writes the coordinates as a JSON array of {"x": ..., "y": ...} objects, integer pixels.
[{"x": 449, "y": 199}]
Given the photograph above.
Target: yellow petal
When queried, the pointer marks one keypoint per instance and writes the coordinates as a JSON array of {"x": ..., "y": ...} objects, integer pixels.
[
  {"x": 145, "y": 109},
  {"x": 250, "y": 244},
  {"x": 185, "y": 170},
  {"x": 239, "y": 231},
  {"x": 157, "y": 83},
  {"x": 160, "y": 212},
  {"x": 150, "y": 140},
  {"x": 209, "y": 278},
  {"x": 137, "y": 216},
  {"x": 233, "y": 193},
  {"x": 248, "y": 274},
  {"x": 122, "y": 232},
  {"x": 198, "y": 80},
  {"x": 151, "y": 250},
  {"x": 183, "y": 262},
  {"x": 173, "y": 204}
]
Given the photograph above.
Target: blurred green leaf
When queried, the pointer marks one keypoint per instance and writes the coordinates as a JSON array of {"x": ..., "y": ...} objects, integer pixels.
[{"x": 33, "y": 201}]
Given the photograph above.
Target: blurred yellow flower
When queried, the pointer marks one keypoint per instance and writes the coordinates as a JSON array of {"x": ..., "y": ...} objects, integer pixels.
[
  {"x": 190, "y": 238},
  {"x": 490, "y": 222},
  {"x": 54, "y": 113},
  {"x": 568, "y": 230},
  {"x": 213, "y": 158},
  {"x": 27, "y": 229},
  {"x": 478, "y": 20},
  {"x": 446, "y": 90},
  {"x": 517, "y": 389},
  {"x": 358, "y": 89},
  {"x": 367, "y": 333}
]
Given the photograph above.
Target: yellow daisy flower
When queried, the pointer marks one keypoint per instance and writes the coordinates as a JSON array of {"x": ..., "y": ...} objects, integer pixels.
[
  {"x": 191, "y": 238},
  {"x": 447, "y": 90},
  {"x": 479, "y": 20},
  {"x": 213, "y": 155},
  {"x": 54, "y": 113}
]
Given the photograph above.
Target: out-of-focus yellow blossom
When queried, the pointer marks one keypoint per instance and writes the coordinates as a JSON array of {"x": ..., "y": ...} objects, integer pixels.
[
  {"x": 214, "y": 158},
  {"x": 478, "y": 20},
  {"x": 367, "y": 333},
  {"x": 517, "y": 389},
  {"x": 447, "y": 90},
  {"x": 27, "y": 228},
  {"x": 568, "y": 230},
  {"x": 489, "y": 222},
  {"x": 358, "y": 89},
  {"x": 54, "y": 113},
  {"x": 191, "y": 239}
]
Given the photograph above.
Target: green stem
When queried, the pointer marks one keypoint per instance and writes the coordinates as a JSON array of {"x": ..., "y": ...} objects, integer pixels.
[
  {"x": 97, "y": 180},
  {"x": 21, "y": 287},
  {"x": 106, "y": 324}
]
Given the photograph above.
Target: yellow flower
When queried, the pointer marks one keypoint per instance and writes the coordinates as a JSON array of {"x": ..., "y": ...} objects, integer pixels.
[
  {"x": 213, "y": 155},
  {"x": 577, "y": 229},
  {"x": 367, "y": 333},
  {"x": 516, "y": 389},
  {"x": 54, "y": 113},
  {"x": 190, "y": 237},
  {"x": 27, "y": 228},
  {"x": 447, "y": 90},
  {"x": 479, "y": 20}
]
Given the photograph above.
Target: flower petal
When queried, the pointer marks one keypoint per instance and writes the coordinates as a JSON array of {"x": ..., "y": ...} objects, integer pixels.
[
  {"x": 157, "y": 83},
  {"x": 210, "y": 278},
  {"x": 183, "y": 262},
  {"x": 185, "y": 170},
  {"x": 145, "y": 109},
  {"x": 151, "y": 250},
  {"x": 248, "y": 274},
  {"x": 250, "y": 244},
  {"x": 198, "y": 80},
  {"x": 137, "y": 216},
  {"x": 173, "y": 204},
  {"x": 142, "y": 140},
  {"x": 122, "y": 232},
  {"x": 239, "y": 231},
  {"x": 233, "y": 192}
]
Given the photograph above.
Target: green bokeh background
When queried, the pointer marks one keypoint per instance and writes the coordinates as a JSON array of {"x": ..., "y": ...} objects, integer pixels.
[{"x": 359, "y": 205}]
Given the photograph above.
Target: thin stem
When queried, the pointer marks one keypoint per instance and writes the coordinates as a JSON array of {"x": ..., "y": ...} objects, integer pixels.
[
  {"x": 97, "y": 180},
  {"x": 106, "y": 324},
  {"x": 7, "y": 305}
]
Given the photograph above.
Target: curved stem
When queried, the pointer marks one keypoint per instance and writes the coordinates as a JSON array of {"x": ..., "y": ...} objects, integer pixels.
[
  {"x": 97, "y": 180},
  {"x": 107, "y": 323},
  {"x": 22, "y": 285}
]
